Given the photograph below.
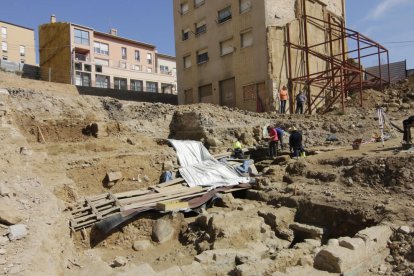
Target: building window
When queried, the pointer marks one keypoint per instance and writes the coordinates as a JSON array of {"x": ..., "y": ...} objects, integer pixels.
[
  {"x": 81, "y": 37},
  {"x": 101, "y": 48},
  {"x": 200, "y": 27},
  {"x": 184, "y": 8},
  {"x": 186, "y": 34},
  {"x": 4, "y": 47},
  {"x": 136, "y": 67},
  {"x": 83, "y": 79},
  {"x": 103, "y": 62},
  {"x": 187, "y": 61},
  {"x": 102, "y": 81},
  {"x": 87, "y": 68},
  {"x": 78, "y": 66},
  {"x": 22, "y": 51},
  {"x": 164, "y": 69},
  {"x": 98, "y": 68},
  {"x": 137, "y": 55},
  {"x": 198, "y": 3},
  {"x": 246, "y": 39},
  {"x": 136, "y": 85},
  {"x": 149, "y": 58},
  {"x": 5, "y": 58},
  {"x": 202, "y": 56},
  {"x": 224, "y": 15},
  {"x": 149, "y": 70},
  {"x": 226, "y": 47},
  {"x": 122, "y": 65},
  {"x": 22, "y": 61},
  {"x": 152, "y": 86},
  {"x": 124, "y": 53},
  {"x": 245, "y": 5},
  {"x": 4, "y": 33},
  {"x": 166, "y": 88},
  {"x": 120, "y": 84}
]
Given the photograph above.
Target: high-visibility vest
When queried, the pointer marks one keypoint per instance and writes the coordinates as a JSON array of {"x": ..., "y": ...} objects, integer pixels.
[
  {"x": 283, "y": 95},
  {"x": 237, "y": 145}
]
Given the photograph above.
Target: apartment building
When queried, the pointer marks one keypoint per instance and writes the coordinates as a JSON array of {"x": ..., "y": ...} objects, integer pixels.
[
  {"x": 233, "y": 52},
  {"x": 80, "y": 55},
  {"x": 17, "y": 43}
]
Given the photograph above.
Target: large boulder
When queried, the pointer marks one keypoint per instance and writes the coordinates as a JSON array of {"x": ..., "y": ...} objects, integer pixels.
[{"x": 162, "y": 231}]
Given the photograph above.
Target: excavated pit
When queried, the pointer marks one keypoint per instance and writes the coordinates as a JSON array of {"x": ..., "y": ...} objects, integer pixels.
[{"x": 297, "y": 206}]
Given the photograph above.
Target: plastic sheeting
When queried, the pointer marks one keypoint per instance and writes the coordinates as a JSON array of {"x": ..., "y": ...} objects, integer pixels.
[{"x": 199, "y": 168}]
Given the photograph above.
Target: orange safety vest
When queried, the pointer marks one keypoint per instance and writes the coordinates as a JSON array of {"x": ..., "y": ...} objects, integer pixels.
[{"x": 283, "y": 95}]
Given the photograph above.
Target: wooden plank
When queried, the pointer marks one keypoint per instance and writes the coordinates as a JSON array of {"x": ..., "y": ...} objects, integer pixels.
[
  {"x": 171, "y": 182},
  {"x": 114, "y": 198},
  {"x": 160, "y": 196},
  {"x": 153, "y": 202},
  {"x": 106, "y": 212},
  {"x": 171, "y": 205},
  {"x": 133, "y": 193}
]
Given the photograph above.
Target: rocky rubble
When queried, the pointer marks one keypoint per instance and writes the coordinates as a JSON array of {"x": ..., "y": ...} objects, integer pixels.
[{"x": 402, "y": 251}]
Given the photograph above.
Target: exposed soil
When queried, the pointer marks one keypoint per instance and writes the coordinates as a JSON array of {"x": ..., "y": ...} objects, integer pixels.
[{"x": 47, "y": 163}]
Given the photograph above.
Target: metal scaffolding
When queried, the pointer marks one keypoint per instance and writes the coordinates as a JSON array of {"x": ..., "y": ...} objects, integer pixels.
[{"x": 344, "y": 72}]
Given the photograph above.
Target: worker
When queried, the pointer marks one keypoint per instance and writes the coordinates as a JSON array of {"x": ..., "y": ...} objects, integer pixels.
[
  {"x": 273, "y": 139},
  {"x": 283, "y": 96},
  {"x": 280, "y": 134},
  {"x": 238, "y": 149},
  {"x": 408, "y": 124},
  {"x": 300, "y": 102},
  {"x": 295, "y": 142}
]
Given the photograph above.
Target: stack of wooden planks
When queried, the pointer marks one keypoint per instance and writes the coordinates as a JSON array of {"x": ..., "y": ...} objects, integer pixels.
[{"x": 93, "y": 209}]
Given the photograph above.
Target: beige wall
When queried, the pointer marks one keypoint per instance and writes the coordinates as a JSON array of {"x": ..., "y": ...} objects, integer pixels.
[
  {"x": 18, "y": 36},
  {"x": 265, "y": 63}
]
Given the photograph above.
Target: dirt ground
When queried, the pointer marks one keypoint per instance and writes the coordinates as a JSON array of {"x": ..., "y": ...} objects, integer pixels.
[{"x": 47, "y": 163}]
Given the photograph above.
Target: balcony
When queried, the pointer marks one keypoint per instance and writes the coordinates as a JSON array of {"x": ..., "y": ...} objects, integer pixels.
[{"x": 81, "y": 57}]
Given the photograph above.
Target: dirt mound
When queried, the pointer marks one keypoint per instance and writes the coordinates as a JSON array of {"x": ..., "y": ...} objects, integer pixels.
[
  {"x": 391, "y": 172},
  {"x": 396, "y": 99}
]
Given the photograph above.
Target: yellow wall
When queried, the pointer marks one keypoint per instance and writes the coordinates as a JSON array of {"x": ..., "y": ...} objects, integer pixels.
[
  {"x": 18, "y": 36},
  {"x": 55, "y": 53}
]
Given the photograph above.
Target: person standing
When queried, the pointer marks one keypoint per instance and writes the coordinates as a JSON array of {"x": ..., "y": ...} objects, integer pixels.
[
  {"x": 283, "y": 95},
  {"x": 295, "y": 142},
  {"x": 300, "y": 101},
  {"x": 273, "y": 139}
]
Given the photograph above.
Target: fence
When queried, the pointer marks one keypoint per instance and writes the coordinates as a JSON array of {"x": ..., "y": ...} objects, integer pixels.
[
  {"x": 26, "y": 70},
  {"x": 127, "y": 95}
]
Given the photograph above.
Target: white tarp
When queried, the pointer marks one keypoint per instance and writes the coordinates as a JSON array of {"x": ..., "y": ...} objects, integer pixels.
[
  {"x": 190, "y": 152},
  {"x": 199, "y": 168}
]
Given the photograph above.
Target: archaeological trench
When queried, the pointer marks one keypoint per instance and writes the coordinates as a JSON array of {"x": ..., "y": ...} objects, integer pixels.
[{"x": 337, "y": 211}]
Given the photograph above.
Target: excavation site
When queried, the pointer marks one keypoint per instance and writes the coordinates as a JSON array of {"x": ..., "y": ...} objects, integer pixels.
[{"x": 94, "y": 185}]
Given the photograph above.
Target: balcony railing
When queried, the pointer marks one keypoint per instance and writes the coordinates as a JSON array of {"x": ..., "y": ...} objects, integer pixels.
[{"x": 81, "y": 57}]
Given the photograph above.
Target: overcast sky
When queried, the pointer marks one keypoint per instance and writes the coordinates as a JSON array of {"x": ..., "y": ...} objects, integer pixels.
[{"x": 389, "y": 22}]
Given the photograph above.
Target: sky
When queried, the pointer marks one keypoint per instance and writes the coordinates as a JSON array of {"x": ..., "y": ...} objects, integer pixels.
[{"x": 388, "y": 22}]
